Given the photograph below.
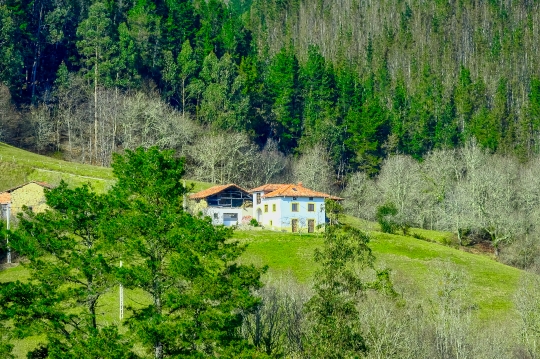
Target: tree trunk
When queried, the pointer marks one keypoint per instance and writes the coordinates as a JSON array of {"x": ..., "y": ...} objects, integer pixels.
[
  {"x": 37, "y": 55},
  {"x": 183, "y": 97},
  {"x": 95, "y": 108},
  {"x": 158, "y": 346}
]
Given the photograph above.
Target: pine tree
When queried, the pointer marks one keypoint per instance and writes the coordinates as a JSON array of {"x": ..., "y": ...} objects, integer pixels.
[
  {"x": 186, "y": 265},
  {"x": 282, "y": 85},
  {"x": 96, "y": 47},
  {"x": 336, "y": 331},
  {"x": 71, "y": 264}
]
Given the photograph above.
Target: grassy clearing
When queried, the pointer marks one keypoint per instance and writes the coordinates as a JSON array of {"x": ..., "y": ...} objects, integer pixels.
[
  {"x": 22, "y": 157},
  {"x": 414, "y": 264},
  {"x": 19, "y": 166}
]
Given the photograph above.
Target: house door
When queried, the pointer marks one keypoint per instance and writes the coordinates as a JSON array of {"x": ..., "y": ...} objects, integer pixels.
[
  {"x": 259, "y": 215},
  {"x": 294, "y": 224},
  {"x": 311, "y": 225}
]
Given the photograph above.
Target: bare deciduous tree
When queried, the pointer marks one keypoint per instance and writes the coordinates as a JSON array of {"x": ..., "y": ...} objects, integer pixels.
[
  {"x": 361, "y": 196},
  {"x": 277, "y": 326},
  {"x": 400, "y": 183},
  {"x": 313, "y": 169},
  {"x": 43, "y": 127},
  {"x": 223, "y": 157}
]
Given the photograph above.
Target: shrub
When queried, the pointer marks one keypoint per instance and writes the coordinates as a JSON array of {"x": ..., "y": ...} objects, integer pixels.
[{"x": 386, "y": 217}]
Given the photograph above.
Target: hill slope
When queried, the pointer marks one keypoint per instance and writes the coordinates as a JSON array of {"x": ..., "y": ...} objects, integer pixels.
[
  {"x": 18, "y": 166},
  {"x": 415, "y": 265}
]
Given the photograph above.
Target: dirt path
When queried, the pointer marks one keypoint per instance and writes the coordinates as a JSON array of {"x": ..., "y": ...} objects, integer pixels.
[{"x": 71, "y": 174}]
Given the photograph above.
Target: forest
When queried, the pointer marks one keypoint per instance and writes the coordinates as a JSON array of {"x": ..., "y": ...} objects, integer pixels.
[
  {"x": 345, "y": 96},
  {"x": 360, "y": 79}
]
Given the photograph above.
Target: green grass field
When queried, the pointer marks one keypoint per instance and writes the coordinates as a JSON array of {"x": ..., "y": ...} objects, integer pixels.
[
  {"x": 413, "y": 263},
  {"x": 19, "y": 166}
]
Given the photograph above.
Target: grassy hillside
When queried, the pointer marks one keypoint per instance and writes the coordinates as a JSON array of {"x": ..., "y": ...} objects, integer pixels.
[
  {"x": 19, "y": 166},
  {"x": 414, "y": 264}
]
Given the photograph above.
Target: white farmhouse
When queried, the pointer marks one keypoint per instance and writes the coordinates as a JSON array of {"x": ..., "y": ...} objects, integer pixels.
[
  {"x": 226, "y": 204},
  {"x": 290, "y": 207}
]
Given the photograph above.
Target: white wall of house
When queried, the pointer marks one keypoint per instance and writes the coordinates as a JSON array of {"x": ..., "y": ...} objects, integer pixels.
[
  {"x": 226, "y": 216},
  {"x": 277, "y": 213}
]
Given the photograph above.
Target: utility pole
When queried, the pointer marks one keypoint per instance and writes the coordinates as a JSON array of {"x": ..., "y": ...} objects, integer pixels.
[
  {"x": 184, "y": 198},
  {"x": 7, "y": 209},
  {"x": 121, "y": 298}
]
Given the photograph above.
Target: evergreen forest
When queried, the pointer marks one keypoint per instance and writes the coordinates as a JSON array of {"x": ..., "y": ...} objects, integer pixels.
[{"x": 360, "y": 80}]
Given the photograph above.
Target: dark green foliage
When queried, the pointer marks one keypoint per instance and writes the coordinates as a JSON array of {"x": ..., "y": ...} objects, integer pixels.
[
  {"x": 283, "y": 89},
  {"x": 336, "y": 330},
  {"x": 187, "y": 267},
  {"x": 96, "y": 46},
  {"x": 385, "y": 216},
  {"x": 419, "y": 80},
  {"x": 71, "y": 265},
  {"x": 184, "y": 263}
]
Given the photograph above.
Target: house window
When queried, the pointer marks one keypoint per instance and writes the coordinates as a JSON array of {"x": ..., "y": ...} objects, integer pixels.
[
  {"x": 294, "y": 198},
  {"x": 258, "y": 198},
  {"x": 311, "y": 198},
  {"x": 265, "y": 208},
  {"x": 311, "y": 207},
  {"x": 294, "y": 207},
  {"x": 270, "y": 222},
  {"x": 215, "y": 216},
  {"x": 274, "y": 207}
]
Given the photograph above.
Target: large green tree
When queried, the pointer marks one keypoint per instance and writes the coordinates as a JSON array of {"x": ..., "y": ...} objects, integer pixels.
[
  {"x": 336, "y": 331},
  {"x": 71, "y": 266},
  {"x": 186, "y": 265}
]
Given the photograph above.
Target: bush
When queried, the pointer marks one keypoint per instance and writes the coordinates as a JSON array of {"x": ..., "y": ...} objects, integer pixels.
[
  {"x": 254, "y": 222},
  {"x": 386, "y": 217}
]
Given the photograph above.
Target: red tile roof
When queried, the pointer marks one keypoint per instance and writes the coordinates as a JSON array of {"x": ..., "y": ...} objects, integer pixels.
[
  {"x": 297, "y": 190},
  {"x": 270, "y": 187},
  {"x": 5, "y": 197},
  {"x": 214, "y": 190}
]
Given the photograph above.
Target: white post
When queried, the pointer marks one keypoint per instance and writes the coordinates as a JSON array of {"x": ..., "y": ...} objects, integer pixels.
[
  {"x": 121, "y": 298},
  {"x": 184, "y": 199},
  {"x": 8, "y": 211}
]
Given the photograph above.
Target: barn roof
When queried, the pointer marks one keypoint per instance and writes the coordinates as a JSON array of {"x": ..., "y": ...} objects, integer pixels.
[
  {"x": 214, "y": 190},
  {"x": 5, "y": 197}
]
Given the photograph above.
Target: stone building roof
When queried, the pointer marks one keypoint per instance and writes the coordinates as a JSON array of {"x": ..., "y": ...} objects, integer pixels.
[{"x": 5, "y": 197}]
